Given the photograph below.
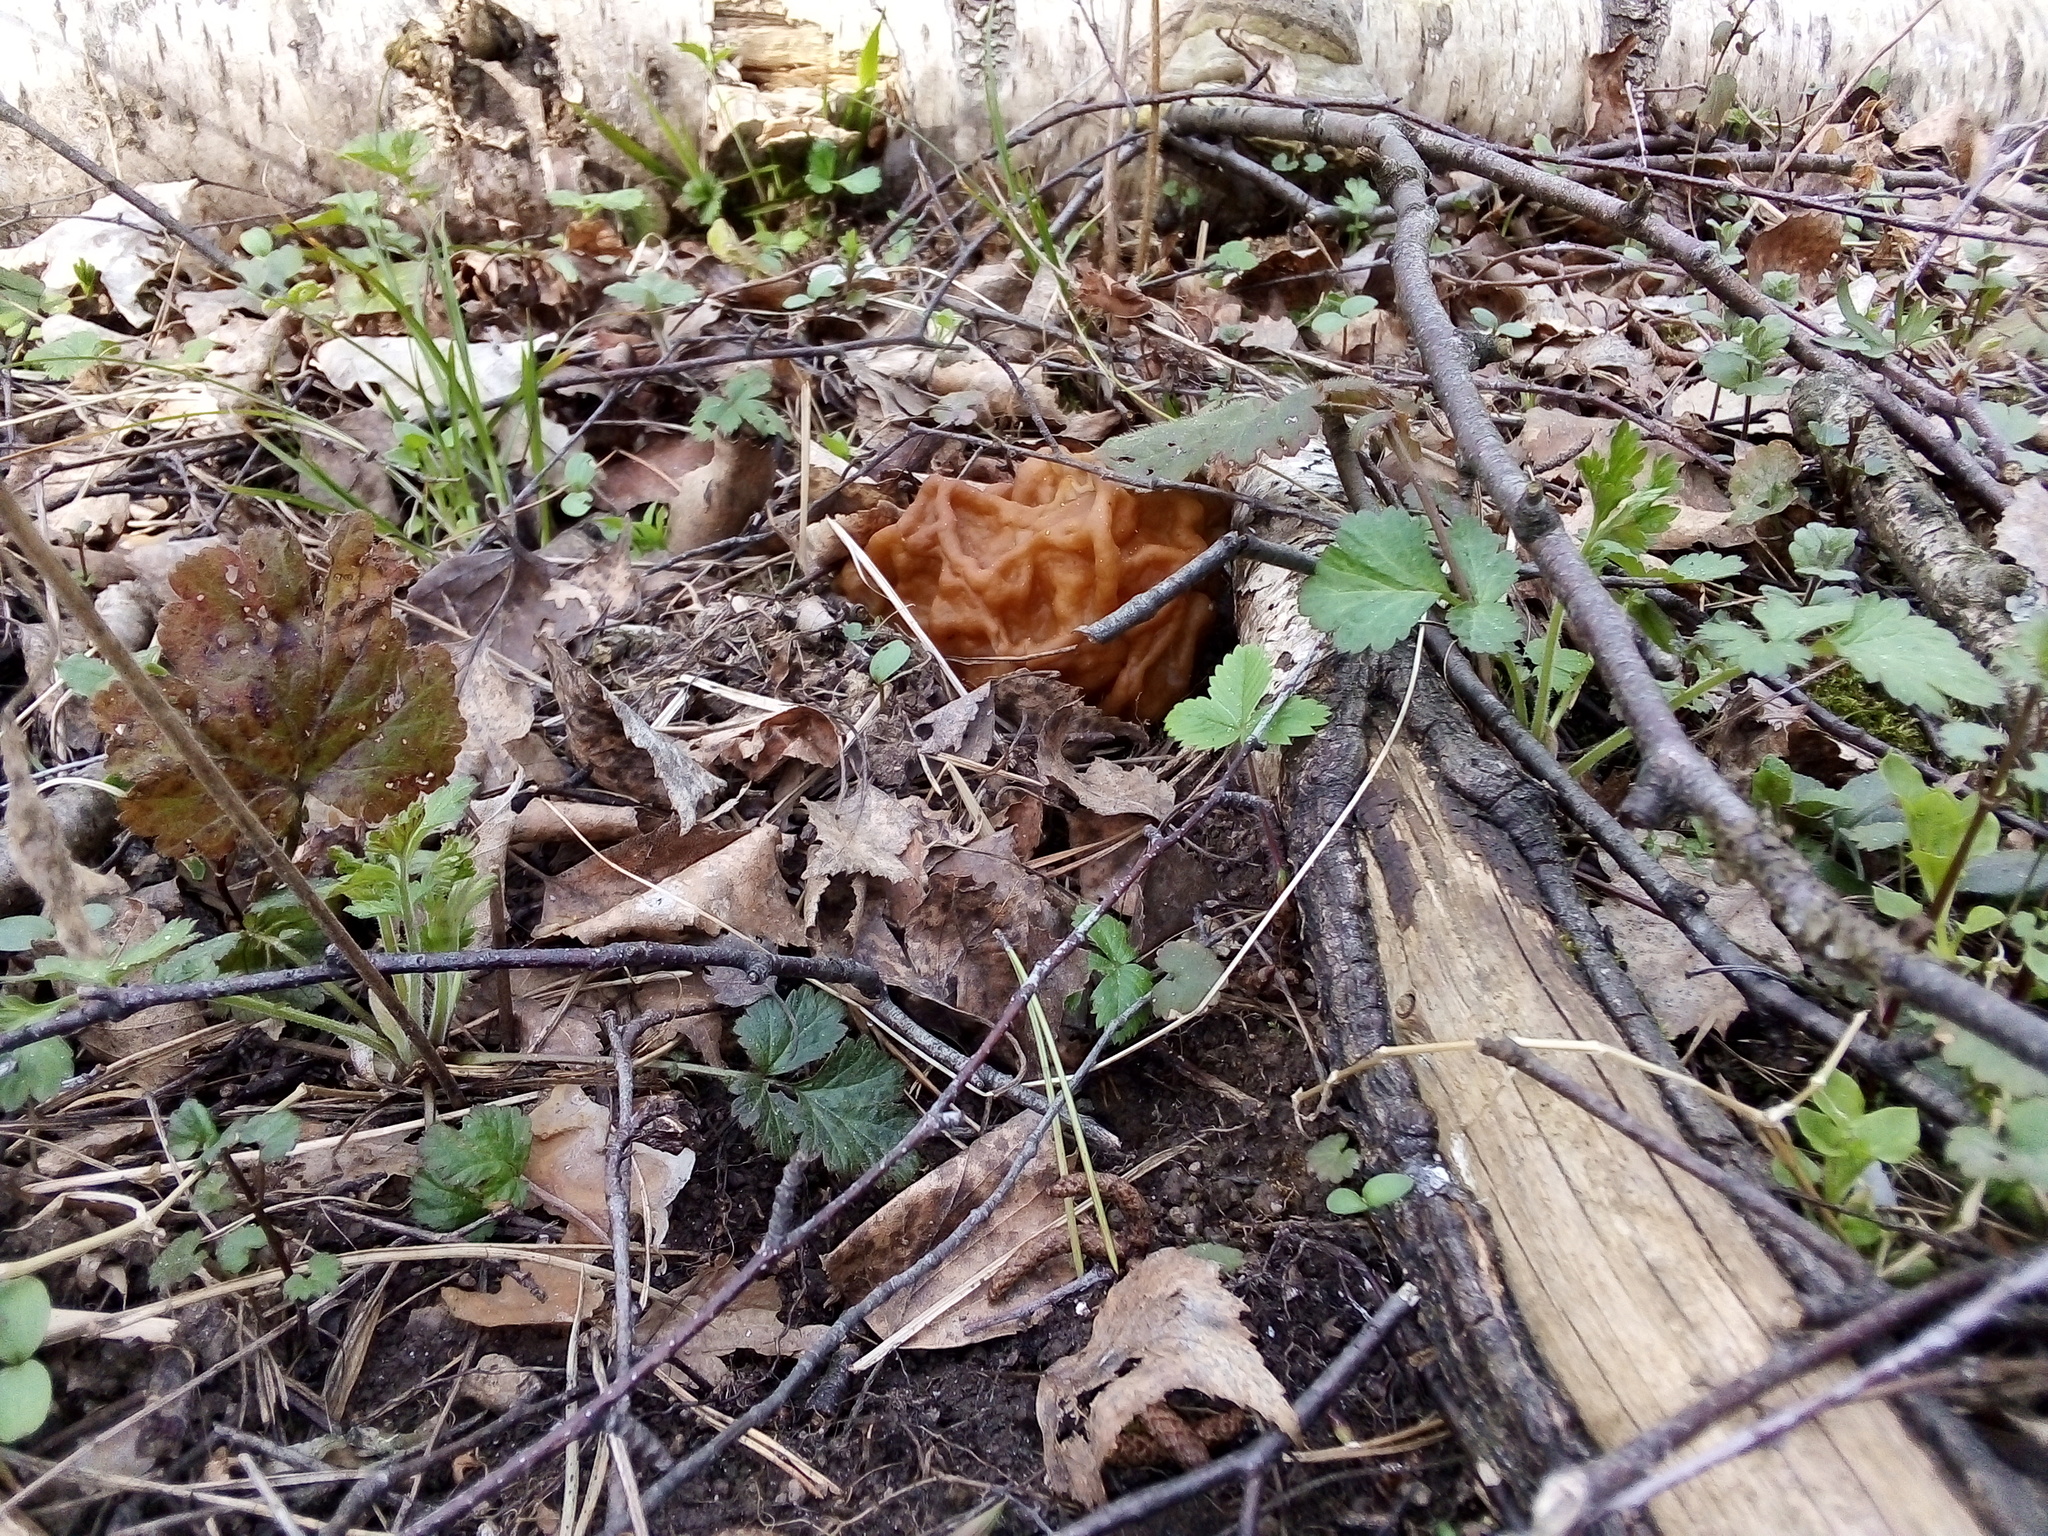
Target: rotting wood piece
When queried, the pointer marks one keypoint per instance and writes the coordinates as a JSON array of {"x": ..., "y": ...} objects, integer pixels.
[
  {"x": 1491, "y": 1380},
  {"x": 1638, "y": 1287}
]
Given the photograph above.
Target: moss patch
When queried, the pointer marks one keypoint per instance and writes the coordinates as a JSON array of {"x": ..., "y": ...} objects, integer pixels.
[{"x": 1869, "y": 709}]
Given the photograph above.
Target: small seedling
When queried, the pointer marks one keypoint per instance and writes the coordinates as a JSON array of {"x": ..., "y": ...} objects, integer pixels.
[
  {"x": 1333, "y": 1159},
  {"x": 742, "y": 401},
  {"x": 1487, "y": 323},
  {"x": 24, "y": 1380},
  {"x": 889, "y": 660},
  {"x": 1382, "y": 1189},
  {"x": 653, "y": 292},
  {"x": 472, "y": 1171},
  {"x": 1333, "y": 313},
  {"x": 1234, "y": 706},
  {"x": 1122, "y": 980}
]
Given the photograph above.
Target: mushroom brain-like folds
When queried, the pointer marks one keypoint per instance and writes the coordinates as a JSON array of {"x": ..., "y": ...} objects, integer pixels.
[{"x": 1002, "y": 576}]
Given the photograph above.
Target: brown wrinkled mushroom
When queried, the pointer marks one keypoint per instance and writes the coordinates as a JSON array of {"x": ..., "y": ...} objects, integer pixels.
[{"x": 1002, "y": 576}]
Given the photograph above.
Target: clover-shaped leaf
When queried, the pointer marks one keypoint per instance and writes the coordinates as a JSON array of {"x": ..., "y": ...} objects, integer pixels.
[{"x": 301, "y": 686}]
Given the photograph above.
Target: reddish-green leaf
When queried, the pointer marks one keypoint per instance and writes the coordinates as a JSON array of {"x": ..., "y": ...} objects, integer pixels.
[{"x": 300, "y": 686}]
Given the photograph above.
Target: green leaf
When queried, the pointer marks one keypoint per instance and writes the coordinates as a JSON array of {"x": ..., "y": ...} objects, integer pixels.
[
  {"x": 1491, "y": 629},
  {"x": 863, "y": 181},
  {"x": 1893, "y": 904},
  {"x": 1384, "y": 1189},
  {"x": 69, "y": 356},
  {"x": 306, "y": 686},
  {"x": 22, "y": 933},
  {"x": 1890, "y": 1135},
  {"x": 24, "y": 1400},
  {"x": 1238, "y": 432},
  {"x": 1222, "y": 1255},
  {"x": 1118, "y": 988},
  {"x": 1824, "y": 552},
  {"x": 24, "y": 1318},
  {"x": 1109, "y": 936},
  {"x": 179, "y": 1261},
  {"x": 84, "y": 675},
  {"x": 273, "y": 1134},
  {"x": 1784, "y": 622},
  {"x": 320, "y": 1276},
  {"x": 1706, "y": 565},
  {"x": 784, "y": 1036},
  {"x": 1191, "y": 970},
  {"x": 1226, "y": 715},
  {"x": 1911, "y": 657},
  {"x": 40, "y": 1068},
  {"x": 465, "y": 1172},
  {"x": 1374, "y": 584},
  {"x": 1969, "y": 741},
  {"x": 1333, "y": 1159},
  {"x": 851, "y": 1109},
  {"x": 190, "y": 1131},
  {"x": 1626, "y": 515},
  {"x": 236, "y": 1248},
  {"x": 888, "y": 661},
  {"x": 1344, "y": 1201},
  {"x": 760, "y": 1106},
  {"x": 741, "y": 402},
  {"x": 1995, "y": 1068}
]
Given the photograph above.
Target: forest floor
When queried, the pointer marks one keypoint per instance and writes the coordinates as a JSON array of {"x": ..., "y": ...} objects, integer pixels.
[{"x": 628, "y": 617}]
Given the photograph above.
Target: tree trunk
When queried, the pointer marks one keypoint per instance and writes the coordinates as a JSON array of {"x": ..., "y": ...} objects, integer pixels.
[{"x": 258, "y": 94}]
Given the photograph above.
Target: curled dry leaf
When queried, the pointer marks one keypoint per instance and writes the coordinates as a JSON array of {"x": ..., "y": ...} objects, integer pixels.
[
  {"x": 924, "y": 1215},
  {"x": 1167, "y": 1326},
  {"x": 497, "y": 710},
  {"x": 299, "y": 687},
  {"x": 38, "y": 851},
  {"x": 965, "y": 727},
  {"x": 497, "y": 1382},
  {"x": 625, "y": 870},
  {"x": 534, "y": 1296},
  {"x": 1104, "y": 787},
  {"x": 760, "y": 746},
  {"x": 1804, "y": 244},
  {"x": 977, "y": 897},
  {"x": 653, "y": 472},
  {"x": 506, "y": 599},
  {"x": 865, "y": 832},
  {"x": 718, "y": 499},
  {"x": 739, "y": 888},
  {"x": 622, "y": 751},
  {"x": 753, "y": 1322},
  {"x": 1659, "y": 957},
  {"x": 566, "y": 1169}
]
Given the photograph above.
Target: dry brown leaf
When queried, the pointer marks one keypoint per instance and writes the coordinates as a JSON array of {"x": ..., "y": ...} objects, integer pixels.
[
  {"x": 508, "y": 599},
  {"x": 924, "y": 1215},
  {"x": 1104, "y": 787},
  {"x": 1102, "y": 294},
  {"x": 964, "y": 727},
  {"x": 699, "y": 1008},
  {"x": 497, "y": 1382},
  {"x": 2023, "y": 530},
  {"x": 1551, "y": 437},
  {"x": 738, "y": 888},
  {"x": 953, "y": 939},
  {"x": 753, "y": 1322},
  {"x": 1608, "y": 110},
  {"x": 761, "y": 746},
  {"x": 1658, "y": 956},
  {"x": 622, "y": 751},
  {"x": 1804, "y": 244},
  {"x": 556, "y": 1015},
  {"x": 625, "y": 870},
  {"x": 650, "y": 473},
  {"x": 497, "y": 708},
  {"x": 40, "y": 857},
  {"x": 565, "y": 1169},
  {"x": 536, "y": 1296},
  {"x": 1952, "y": 128},
  {"x": 349, "y": 454},
  {"x": 1271, "y": 333},
  {"x": 1167, "y": 1326},
  {"x": 716, "y": 500},
  {"x": 865, "y": 832}
]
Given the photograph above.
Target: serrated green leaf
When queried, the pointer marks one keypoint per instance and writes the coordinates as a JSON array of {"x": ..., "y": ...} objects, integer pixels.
[
  {"x": 485, "y": 1159},
  {"x": 1109, "y": 936},
  {"x": 1296, "y": 718},
  {"x": 2025, "y": 660},
  {"x": 24, "y": 1318},
  {"x": 781, "y": 1036},
  {"x": 1333, "y": 1159},
  {"x": 1993, "y": 1067},
  {"x": 1374, "y": 584},
  {"x": 1190, "y": 969},
  {"x": 1492, "y": 629},
  {"x": 851, "y": 1109},
  {"x": 1969, "y": 741},
  {"x": 303, "y": 685},
  {"x": 440, "y": 1209},
  {"x": 1911, "y": 657},
  {"x": 40, "y": 1068},
  {"x": 1762, "y": 482},
  {"x": 1238, "y": 432},
  {"x": 1117, "y": 988},
  {"x": 1489, "y": 567},
  {"x": 24, "y": 1400},
  {"x": 235, "y": 1249},
  {"x": 321, "y": 1274},
  {"x": 759, "y": 1104},
  {"x": 179, "y": 1261}
]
